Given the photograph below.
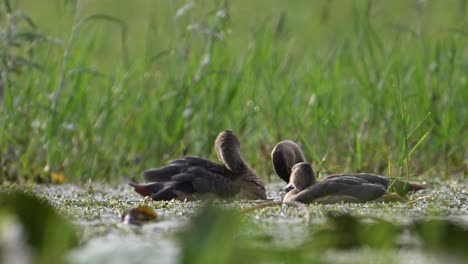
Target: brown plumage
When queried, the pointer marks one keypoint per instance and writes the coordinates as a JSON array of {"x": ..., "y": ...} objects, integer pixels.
[
  {"x": 191, "y": 177},
  {"x": 347, "y": 188},
  {"x": 284, "y": 155},
  {"x": 358, "y": 187}
]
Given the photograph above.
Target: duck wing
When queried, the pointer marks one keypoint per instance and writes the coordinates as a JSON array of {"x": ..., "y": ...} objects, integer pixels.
[
  {"x": 391, "y": 184},
  {"x": 194, "y": 182},
  {"x": 371, "y": 178},
  {"x": 346, "y": 186},
  {"x": 178, "y": 166},
  {"x": 176, "y": 191},
  {"x": 206, "y": 181}
]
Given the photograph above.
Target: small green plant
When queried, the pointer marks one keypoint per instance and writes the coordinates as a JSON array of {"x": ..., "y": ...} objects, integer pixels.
[
  {"x": 407, "y": 133},
  {"x": 20, "y": 39}
]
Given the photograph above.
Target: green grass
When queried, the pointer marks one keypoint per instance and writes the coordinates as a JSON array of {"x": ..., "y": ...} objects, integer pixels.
[{"x": 106, "y": 89}]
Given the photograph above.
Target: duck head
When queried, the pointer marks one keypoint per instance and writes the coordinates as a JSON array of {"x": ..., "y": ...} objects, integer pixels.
[
  {"x": 228, "y": 150},
  {"x": 302, "y": 176},
  {"x": 284, "y": 155}
]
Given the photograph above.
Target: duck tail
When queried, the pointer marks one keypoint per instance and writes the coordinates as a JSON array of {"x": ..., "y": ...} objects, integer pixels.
[
  {"x": 146, "y": 189},
  {"x": 416, "y": 187}
]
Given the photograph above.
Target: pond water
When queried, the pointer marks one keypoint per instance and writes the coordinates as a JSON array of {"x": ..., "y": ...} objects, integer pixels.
[{"x": 96, "y": 211}]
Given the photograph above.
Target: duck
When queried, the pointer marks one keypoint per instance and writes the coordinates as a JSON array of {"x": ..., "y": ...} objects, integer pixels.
[
  {"x": 192, "y": 178},
  {"x": 286, "y": 154},
  {"x": 334, "y": 190}
]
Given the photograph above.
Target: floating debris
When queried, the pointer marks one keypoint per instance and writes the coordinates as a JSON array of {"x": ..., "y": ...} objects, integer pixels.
[
  {"x": 139, "y": 215},
  {"x": 57, "y": 177}
]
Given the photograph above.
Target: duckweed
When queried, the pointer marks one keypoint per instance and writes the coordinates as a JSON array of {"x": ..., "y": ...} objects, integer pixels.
[{"x": 97, "y": 215}]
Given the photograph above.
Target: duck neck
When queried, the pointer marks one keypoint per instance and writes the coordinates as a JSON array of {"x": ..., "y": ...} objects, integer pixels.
[
  {"x": 233, "y": 160},
  {"x": 302, "y": 176}
]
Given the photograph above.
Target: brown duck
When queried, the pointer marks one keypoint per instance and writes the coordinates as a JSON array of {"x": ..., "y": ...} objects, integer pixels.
[
  {"x": 362, "y": 186},
  {"x": 191, "y": 177},
  {"x": 337, "y": 189}
]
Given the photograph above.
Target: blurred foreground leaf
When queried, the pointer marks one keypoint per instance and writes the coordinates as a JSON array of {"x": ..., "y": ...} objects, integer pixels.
[
  {"x": 218, "y": 235},
  {"x": 347, "y": 231},
  {"x": 443, "y": 235},
  {"x": 47, "y": 235},
  {"x": 210, "y": 237}
]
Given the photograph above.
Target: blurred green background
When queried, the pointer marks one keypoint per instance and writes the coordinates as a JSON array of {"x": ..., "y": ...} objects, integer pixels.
[{"x": 104, "y": 89}]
